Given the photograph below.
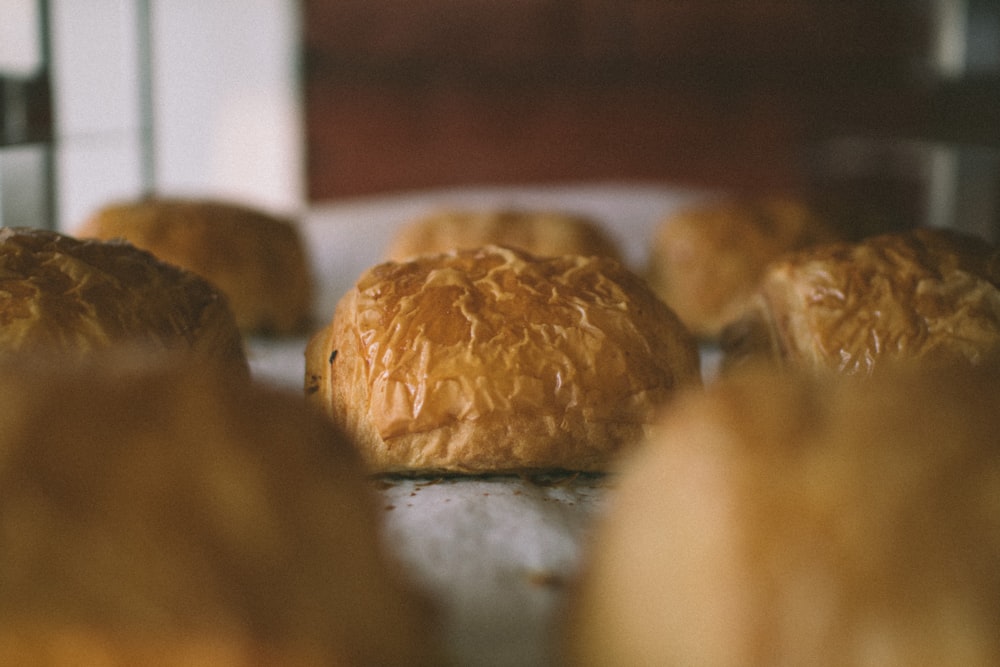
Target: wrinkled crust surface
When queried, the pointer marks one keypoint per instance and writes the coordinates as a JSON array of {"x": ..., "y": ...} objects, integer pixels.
[
  {"x": 706, "y": 261},
  {"x": 923, "y": 294},
  {"x": 63, "y": 294},
  {"x": 257, "y": 260},
  {"x": 492, "y": 359},
  {"x": 544, "y": 233}
]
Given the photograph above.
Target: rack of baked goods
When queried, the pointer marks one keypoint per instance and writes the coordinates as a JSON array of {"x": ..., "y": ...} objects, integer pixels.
[{"x": 601, "y": 425}]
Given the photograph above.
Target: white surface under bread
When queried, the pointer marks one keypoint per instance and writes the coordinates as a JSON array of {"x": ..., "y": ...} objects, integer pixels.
[{"x": 495, "y": 553}]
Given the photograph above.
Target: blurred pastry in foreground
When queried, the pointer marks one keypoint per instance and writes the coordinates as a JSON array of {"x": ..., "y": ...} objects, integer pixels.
[
  {"x": 539, "y": 232},
  {"x": 61, "y": 295},
  {"x": 258, "y": 260},
  {"x": 927, "y": 294},
  {"x": 153, "y": 514},
  {"x": 493, "y": 360},
  {"x": 787, "y": 519},
  {"x": 706, "y": 259}
]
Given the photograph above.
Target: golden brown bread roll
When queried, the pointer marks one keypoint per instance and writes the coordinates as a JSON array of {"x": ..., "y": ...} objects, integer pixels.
[
  {"x": 65, "y": 295},
  {"x": 258, "y": 260},
  {"x": 926, "y": 293},
  {"x": 540, "y": 232},
  {"x": 705, "y": 260},
  {"x": 493, "y": 360},
  {"x": 152, "y": 513},
  {"x": 791, "y": 520}
]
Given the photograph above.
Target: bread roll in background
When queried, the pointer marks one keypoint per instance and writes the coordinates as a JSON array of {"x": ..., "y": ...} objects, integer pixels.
[
  {"x": 929, "y": 294},
  {"x": 539, "y": 232},
  {"x": 706, "y": 259},
  {"x": 257, "y": 259},
  {"x": 493, "y": 360},
  {"x": 788, "y": 519},
  {"x": 70, "y": 297},
  {"x": 152, "y": 513}
]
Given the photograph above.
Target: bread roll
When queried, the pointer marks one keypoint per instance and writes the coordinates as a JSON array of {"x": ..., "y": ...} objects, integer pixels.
[
  {"x": 62, "y": 295},
  {"x": 493, "y": 360},
  {"x": 540, "y": 232},
  {"x": 152, "y": 513},
  {"x": 921, "y": 294},
  {"x": 258, "y": 260},
  {"x": 792, "y": 520},
  {"x": 705, "y": 260}
]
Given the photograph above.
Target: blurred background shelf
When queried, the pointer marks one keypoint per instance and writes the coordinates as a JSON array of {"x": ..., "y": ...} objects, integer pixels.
[
  {"x": 889, "y": 109},
  {"x": 848, "y": 101}
]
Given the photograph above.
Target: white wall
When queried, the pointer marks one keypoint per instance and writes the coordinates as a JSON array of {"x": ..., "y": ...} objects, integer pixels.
[
  {"x": 225, "y": 117},
  {"x": 20, "y": 45},
  {"x": 227, "y": 121},
  {"x": 96, "y": 98}
]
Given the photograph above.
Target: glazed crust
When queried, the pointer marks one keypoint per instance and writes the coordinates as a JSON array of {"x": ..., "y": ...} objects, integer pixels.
[
  {"x": 71, "y": 296},
  {"x": 788, "y": 518},
  {"x": 156, "y": 514},
  {"x": 706, "y": 260},
  {"x": 926, "y": 294},
  {"x": 493, "y": 360},
  {"x": 258, "y": 260},
  {"x": 539, "y": 232}
]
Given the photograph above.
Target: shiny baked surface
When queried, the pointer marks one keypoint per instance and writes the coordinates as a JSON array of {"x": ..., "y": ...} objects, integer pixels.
[
  {"x": 538, "y": 231},
  {"x": 925, "y": 293},
  {"x": 72, "y": 296},
  {"x": 258, "y": 260},
  {"x": 494, "y": 360},
  {"x": 706, "y": 259}
]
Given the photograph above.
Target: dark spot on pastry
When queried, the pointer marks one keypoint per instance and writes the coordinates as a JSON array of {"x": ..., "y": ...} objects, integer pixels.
[{"x": 333, "y": 355}]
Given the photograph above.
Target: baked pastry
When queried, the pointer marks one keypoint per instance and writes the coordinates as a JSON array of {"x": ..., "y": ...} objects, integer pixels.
[
  {"x": 259, "y": 261},
  {"x": 63, "y": 295},
  {"x": 493, "y": 360},
  {"x": 781, "y": 519},
  {"x": 152, "y": 513},
  {"x": 929, "y": 294},
  {"x": 539, "y": 232},
  {"x": 705, "y": 260}
]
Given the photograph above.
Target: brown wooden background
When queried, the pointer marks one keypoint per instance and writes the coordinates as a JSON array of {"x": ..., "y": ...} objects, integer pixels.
[{"x": 402, "y": 95}]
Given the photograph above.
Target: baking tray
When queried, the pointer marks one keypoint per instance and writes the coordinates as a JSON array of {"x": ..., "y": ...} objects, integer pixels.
[{"x": 497, "y": 555}]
